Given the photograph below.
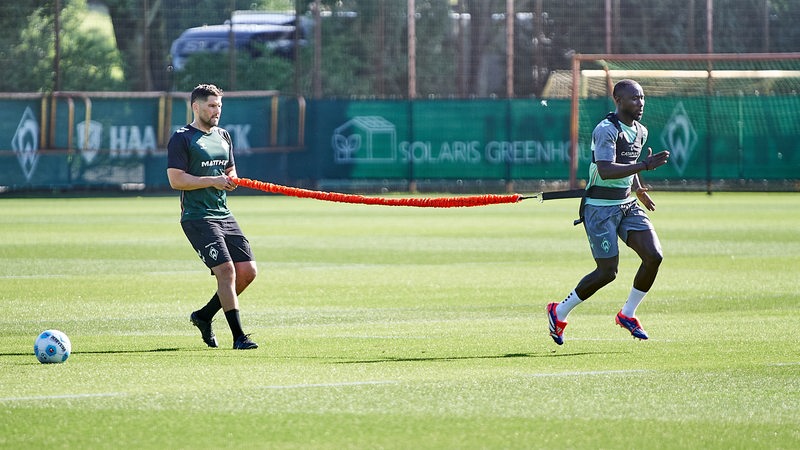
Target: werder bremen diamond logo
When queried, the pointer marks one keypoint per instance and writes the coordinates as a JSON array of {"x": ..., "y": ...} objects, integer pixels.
[
  {"x": 680, "y": 138},
  {"x": 26, "y": 143}
]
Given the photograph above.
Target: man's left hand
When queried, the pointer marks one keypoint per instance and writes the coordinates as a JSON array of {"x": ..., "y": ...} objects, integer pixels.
[{"x": 644, "y": 197}]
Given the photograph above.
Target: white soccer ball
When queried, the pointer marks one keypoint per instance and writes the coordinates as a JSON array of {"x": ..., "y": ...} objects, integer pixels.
[{"x": 52, "y": 346}]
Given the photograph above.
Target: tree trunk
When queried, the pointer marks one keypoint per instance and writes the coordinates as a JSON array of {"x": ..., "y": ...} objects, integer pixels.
[{"x": 140, "y": 34}]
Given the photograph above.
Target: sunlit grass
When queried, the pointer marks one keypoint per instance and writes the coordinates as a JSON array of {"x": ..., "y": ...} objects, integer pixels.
[{"x": 390, "y": 327}]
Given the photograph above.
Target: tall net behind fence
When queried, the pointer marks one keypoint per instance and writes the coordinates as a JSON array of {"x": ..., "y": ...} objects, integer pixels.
[
  {"x": 361, "y": 48},
  {"x": 723, "y": 117}
]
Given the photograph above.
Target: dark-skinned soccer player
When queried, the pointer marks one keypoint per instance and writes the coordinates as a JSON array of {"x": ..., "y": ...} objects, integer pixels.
[{"x": 609, "y": 213}]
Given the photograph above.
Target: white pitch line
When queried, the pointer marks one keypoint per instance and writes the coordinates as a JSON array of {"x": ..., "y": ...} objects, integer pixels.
[
  {"x": 796, "y": 363},
  {"x": 323, "y": 385},
  {"x": 588, "y": 372},
  {"x": 31, "y": 277},
  {"x": 59, "y": 397},
  {"x": 170, "y": 272}
]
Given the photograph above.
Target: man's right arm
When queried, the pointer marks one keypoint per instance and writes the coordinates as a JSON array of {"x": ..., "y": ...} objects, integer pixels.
[
  {"x": 177, "y": 165},
  {"x": 605, "y": 156},
  {"x": 182, "y": 181}
]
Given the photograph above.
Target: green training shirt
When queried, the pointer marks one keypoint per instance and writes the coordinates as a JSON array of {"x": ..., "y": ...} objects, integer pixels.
[
  {"x": 604, "y": 148},
  {"x": 201, "y": 154}
]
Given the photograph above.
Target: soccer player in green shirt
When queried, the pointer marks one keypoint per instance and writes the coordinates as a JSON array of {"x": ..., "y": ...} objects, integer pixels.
[
  {"x": 610, "y": 213},
  {"x": 200, "y": 164}
]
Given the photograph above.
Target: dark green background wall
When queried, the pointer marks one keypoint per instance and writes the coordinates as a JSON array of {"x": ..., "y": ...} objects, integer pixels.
[{"x": 288, "y": 141}]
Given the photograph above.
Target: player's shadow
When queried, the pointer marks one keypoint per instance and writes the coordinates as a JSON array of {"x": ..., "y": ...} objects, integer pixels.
[{"x": 392, "y": 359}]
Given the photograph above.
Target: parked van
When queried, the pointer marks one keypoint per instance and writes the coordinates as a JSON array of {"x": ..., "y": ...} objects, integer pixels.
[{"x": 252, "y": 32}]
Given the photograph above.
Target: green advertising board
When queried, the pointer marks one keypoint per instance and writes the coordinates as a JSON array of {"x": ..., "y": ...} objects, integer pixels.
[
  {"x": 709, "y": 138},
  {"x": 119, "y": 139},
  {"x": 22, "y": 163},
  {"x": 441, "y": 139},
  {"x": 713, "y": 138}
]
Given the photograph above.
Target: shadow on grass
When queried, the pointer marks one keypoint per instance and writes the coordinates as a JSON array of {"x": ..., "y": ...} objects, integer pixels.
[
  {"x": 101, "y": 352},
  {"x": 116, "y": 352},
  {"x": 390, "y": 359}
]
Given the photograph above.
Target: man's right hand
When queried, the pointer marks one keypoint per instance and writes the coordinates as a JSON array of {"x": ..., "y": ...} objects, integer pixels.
[{"x": 651, "y": 162}]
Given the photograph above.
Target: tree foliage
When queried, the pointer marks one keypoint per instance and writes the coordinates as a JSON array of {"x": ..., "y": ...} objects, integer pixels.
[
  {"x": 89, "y": 60},
  {"x": 366, "y": 54}
]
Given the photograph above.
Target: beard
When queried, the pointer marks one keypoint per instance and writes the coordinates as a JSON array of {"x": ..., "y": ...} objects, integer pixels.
[{"x": 209, "y": 122}]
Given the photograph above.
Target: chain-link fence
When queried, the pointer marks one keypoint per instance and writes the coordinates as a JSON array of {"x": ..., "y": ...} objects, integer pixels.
[{"x": 361, "y": 48}]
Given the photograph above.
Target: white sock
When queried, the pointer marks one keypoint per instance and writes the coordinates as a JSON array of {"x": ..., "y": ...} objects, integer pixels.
[
  {"x": 629, "y": 308},
  {"x": 563, "y": 308}
]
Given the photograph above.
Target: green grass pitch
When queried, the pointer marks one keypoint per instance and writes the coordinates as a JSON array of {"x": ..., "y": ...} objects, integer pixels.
[{"x": 387, "y": 327}]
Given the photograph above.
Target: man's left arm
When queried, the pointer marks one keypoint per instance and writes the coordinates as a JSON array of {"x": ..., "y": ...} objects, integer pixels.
[{"x": 230, "y": 169}]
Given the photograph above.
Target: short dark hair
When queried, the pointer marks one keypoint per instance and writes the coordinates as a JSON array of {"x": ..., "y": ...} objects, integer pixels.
[
  {"x": 622, "y": 85},
  {"x": 203, "y": 91}
]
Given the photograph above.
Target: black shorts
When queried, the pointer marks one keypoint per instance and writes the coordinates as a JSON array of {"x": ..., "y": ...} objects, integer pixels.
[{"x": 218, "y": 241}]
